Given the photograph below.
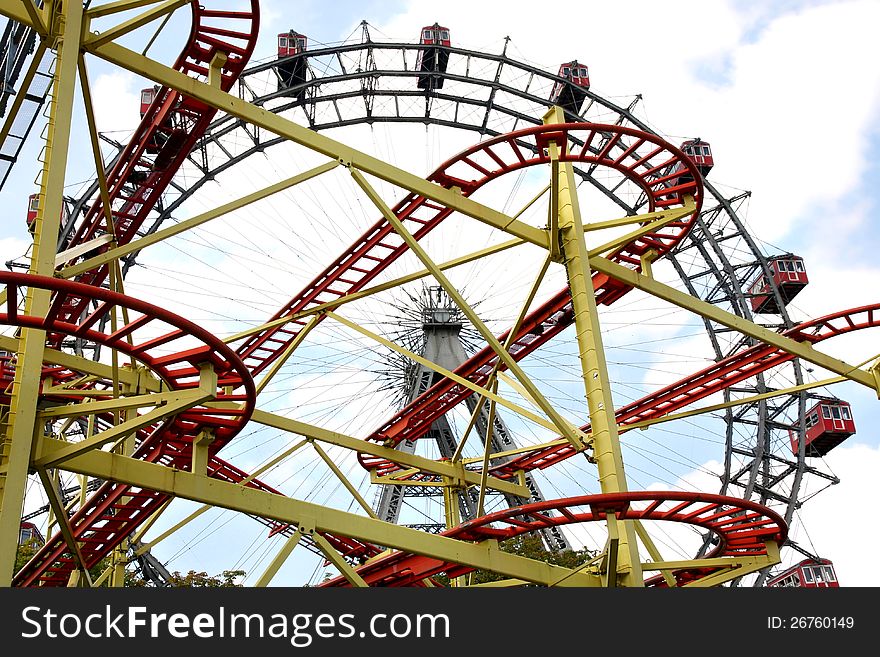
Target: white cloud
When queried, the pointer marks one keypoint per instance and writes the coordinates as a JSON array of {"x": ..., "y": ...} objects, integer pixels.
[{"x": 116, "y": 100}]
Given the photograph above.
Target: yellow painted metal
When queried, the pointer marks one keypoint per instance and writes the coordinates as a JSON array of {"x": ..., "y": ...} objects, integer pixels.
[
  {"x": 456, "y": 471},
  {"x": 200, "y": 452},
  {"x": 344, "y": 480},
  {"x": 118, "y": 6},
  {"x": 514, "y": 331},
  {"x": 279, "y": 559},
  {"x": 451, "y": 375},
  {"x": 646, "y": 540},
  {"x": 625, "y": 564},
  {"x": 187, "y": 224},
  {"x": 185, "y": 401},
  {"x": 207, "y": 507},
  {"x": 487, "y": 448},
  {"x": 336, "y": 559},
  {"x": 61, "y": 518},
  {"x": 315, "y": 141},
  {"x": 140, "y": 376},
  {"x": 450, "y": 503},
  {"x": 15, "y": 445},
  {"x": 136, "y": 22},
  {"x": 91, "y": 407},
  {"x": 96, "y": 150},
  {"x": 650, "y": 227},
  {"x": 485, "y": 555},
  {"x": 800, "y": 349},
  {"x": 745, "y": 568},
  {"x": 562, "y": 425}
]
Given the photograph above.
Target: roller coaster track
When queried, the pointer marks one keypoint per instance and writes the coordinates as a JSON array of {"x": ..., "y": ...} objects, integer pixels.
[
  {"x": 170, "y": 128},
  {"x": 742, "y": 529},
  {"x": 644, "y": 159}
]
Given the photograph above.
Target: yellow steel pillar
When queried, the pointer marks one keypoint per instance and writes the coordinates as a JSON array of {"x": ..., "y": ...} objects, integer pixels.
[
  {"x": 15, "y": 448},
  {"x": 606, "y": 441}
]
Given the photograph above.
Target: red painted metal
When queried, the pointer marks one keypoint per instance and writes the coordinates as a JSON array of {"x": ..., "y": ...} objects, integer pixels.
[
  {"x": 828, "y": 424},
  {"x": 435, "y": 35},
  {"x": 788, "y": 275},
  {"x": 570, "y": 94},
  {"x": 808, "y": 574},
  {"x": 741, "y": 528},
  {"x": 291, "y": 43},
  {"x": 171, "y": 126}
]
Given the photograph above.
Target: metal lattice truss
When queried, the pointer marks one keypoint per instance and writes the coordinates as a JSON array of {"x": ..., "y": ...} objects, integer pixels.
[{"x": 152, "y": 414}]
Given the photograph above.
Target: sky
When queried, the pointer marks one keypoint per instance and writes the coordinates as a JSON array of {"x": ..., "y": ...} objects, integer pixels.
[{"x": 788, "y": 94}]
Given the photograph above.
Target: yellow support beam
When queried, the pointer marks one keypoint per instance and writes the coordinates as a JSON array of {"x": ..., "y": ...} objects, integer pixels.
[
  {"x": 456, "y": 471},
  {"x": 16, "y": 444},
  {"x": 562, "y": 425},
  {"x": 801, "y": 350},
  {"x": 136, "y": 22},
  {"x": 623, "y": 557},
  {"x": 184, "y": 402},
  {"x": 486, "y": 555},
  {"x": 344, "y": 480},
  {"x": 193, "y": 222},
  {"x": 279, "y": 559},
  {"x": 552, "y": 426}
]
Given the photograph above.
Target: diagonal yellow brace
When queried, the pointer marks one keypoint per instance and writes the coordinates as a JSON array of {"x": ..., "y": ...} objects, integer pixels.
[
  {"x": 63, "y": 523},
  {"x": 800, "y": 349},
  {"x": 562, "y": 425},
  {"x": 442, "y": 468},
  {"x": 136, "y": 22},
  {"x": 193, "y": 222},
  {"x": 185, "y": 401},
  {"x": 458, "y": 379},
  {"x": 279, "y": 559}
]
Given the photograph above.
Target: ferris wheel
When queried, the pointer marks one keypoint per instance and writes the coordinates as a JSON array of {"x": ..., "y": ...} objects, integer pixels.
[{"x": 258, "y": 258}]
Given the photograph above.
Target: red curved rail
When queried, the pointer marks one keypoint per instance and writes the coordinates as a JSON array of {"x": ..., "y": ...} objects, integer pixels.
[
  {"x": 174, "y": 349},
  {"x": 742, "y": 528}
]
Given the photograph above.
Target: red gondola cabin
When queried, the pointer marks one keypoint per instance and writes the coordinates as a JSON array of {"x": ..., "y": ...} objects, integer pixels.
[
  {"x": 28, "y": 533},
  {"x": 788, "y": 274},
  {"x": 700, "y": 153},
  {"x": 291, "y": 69},
  {"x": 808, "y": 574},
  {"x": 828, "y": 424},
  {"x": 148, "y": 95},
  {"x": 33, "y": 206},
  {"x": 570, "y": 95},
  {"x": 433, "y": 60}
]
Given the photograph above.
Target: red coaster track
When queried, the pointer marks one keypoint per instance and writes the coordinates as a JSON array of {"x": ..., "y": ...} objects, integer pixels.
[{"x": 741, "y": 528}]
